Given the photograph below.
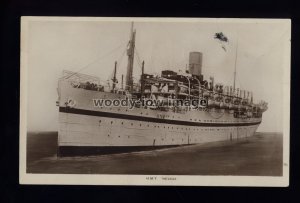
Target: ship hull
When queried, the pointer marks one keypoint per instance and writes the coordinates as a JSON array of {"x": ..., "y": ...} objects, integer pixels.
[
  {"x": 82, "y": 134},
  {"x": 97, "y": 150},
  {"x": 85, "y": 129}
]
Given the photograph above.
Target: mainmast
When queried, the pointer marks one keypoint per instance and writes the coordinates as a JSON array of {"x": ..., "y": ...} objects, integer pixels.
[
  {"x": 130, "y": 54},
  {"x": 234, "y": 76}
]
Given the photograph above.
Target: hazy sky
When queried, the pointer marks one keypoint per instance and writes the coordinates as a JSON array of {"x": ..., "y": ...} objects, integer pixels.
[{"x": 54, "y": 46}]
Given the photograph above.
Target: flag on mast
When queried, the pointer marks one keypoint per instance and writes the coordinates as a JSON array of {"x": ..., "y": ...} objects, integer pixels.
[{"x": 222, "y": 39}]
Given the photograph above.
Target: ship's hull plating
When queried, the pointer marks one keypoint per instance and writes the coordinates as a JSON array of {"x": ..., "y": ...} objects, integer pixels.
[{"x": 85, "y": 129}]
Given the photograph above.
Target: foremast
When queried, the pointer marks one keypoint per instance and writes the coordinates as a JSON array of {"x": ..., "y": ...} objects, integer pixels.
[{"x": 130, "y": 54}]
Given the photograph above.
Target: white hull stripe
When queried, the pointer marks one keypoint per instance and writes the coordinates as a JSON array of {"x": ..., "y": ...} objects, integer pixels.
[{"x": 150, "y": 119}]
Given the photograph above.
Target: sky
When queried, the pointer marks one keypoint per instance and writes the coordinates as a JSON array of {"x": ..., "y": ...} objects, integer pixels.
[{"x": 92, "y": 45}]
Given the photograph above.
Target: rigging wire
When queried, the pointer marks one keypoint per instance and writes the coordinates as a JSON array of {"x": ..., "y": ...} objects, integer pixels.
[
  {"x": 121, "y": 58},
  {"x": 259, "y": 58},
  {"x": 138, "y": 57},
  {"x": 118, "y": 63},
  {"x": 94, "y": 61}
]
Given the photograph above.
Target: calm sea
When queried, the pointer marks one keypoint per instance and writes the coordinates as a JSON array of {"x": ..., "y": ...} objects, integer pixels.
[{"x": 259, "y": 155}]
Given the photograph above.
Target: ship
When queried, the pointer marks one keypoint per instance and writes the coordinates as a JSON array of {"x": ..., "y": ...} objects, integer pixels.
[{"x": 221, "y": 112}]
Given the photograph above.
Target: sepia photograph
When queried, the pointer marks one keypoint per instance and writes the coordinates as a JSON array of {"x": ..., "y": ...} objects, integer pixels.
[{"x": 155, "y": 101}]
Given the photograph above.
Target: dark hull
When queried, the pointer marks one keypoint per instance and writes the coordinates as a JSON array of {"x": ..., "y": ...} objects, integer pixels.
[{"x": 95, "y": 150}]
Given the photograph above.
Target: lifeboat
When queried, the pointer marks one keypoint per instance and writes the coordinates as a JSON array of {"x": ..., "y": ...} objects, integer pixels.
[
  {"x": 226, "y": 105},
  {"x": 205, "y": 94},
  {"x": 244, "y": 102},
  {"x": 236, "y": 101},
  {"x": 227, "y": 99},
  {"x": 217, "y": 104},
  {"x": 223, "y": 105},
  {"x": 216, "y": 96},
  {"x": 242, "y": 107},
  {"x": 218, "y": 101},
  {"x": 210, "y": 103}
]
